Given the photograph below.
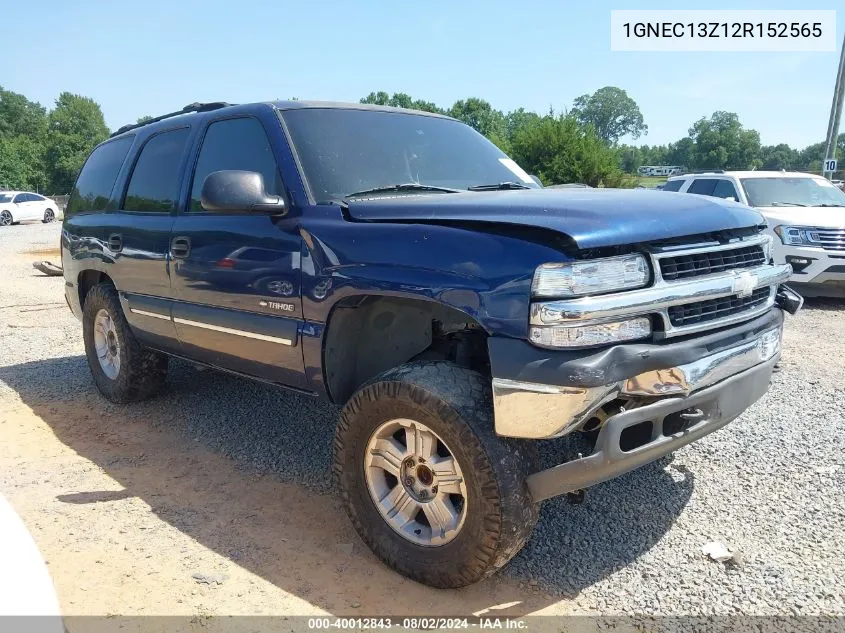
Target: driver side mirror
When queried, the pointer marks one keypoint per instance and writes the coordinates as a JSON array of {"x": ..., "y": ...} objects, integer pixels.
[{"x": 234, "y": 191}]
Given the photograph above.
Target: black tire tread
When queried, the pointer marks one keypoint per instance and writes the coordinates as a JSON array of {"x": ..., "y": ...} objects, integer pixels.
[{"x": 142, "y": 371}]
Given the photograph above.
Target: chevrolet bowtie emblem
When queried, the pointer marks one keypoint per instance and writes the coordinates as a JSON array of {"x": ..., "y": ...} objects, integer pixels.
[{"x": 744, "y": 284}]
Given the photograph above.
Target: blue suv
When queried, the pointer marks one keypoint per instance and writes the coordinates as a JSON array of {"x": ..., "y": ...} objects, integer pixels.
[{"x": 399, "y": 264}]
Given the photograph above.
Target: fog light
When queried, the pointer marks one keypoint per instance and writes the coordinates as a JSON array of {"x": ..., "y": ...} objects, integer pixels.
[
  {"x": 591, "y": 335},
  {"x": 798, "y": 263},
  {"x": 769, "y": 344}
]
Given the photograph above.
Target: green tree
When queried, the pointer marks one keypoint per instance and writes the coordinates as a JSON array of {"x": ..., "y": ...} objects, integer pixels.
[
  {"x": 144, "y": 119},
  {"x": 612, "y": 112},
  {"x": 23, "y": 127},
  {"x": 21, "y": 164},
  {"x": 20, "y": 116},
  {"x": 559, "y": 150},
  {"x": 780, "y": 156},
  {"x": 400, "y": 100},
  {"x": 721, "y": 142},
  {"x": 480, "y": 115},
  {"x": 76, "y": 125}
]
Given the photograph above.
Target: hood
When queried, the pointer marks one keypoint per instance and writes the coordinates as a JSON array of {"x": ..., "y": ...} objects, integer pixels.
[
  {"x": 824, "y": 217},
  {"x": 591, "y": 217}
]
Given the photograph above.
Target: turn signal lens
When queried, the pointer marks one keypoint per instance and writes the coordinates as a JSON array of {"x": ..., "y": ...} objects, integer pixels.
[{"x": 591, "y": 335}]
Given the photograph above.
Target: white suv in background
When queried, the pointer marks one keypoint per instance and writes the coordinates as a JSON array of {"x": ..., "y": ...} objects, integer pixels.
[
  {"x": 17, "y": 206},
  {"x": 805, "y": 213}
]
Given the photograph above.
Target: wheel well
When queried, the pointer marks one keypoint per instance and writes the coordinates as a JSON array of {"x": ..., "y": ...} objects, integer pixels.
[
  {"x": 367, "y": 335},
  {"x": 87, "y": 280}
]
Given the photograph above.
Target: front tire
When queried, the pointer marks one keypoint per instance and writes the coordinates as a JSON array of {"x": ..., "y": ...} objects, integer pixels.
[
  {"x": 49, "y": 216},
  {"x": 123, "y": 370},
  {"x": 425, "y": 480}
]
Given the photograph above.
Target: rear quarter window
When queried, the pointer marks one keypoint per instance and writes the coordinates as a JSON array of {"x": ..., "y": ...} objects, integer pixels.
[
  {"x": 96, "y": 180},
  {"x": 154, "y": 184},
  {"x": 703, "y": 186},
  {"x": 673, "y": 185}
]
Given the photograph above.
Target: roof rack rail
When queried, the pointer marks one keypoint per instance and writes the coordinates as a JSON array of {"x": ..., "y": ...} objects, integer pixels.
[
  {"x": 193, "y": 107},
  {"x": 706, "y": 171}
]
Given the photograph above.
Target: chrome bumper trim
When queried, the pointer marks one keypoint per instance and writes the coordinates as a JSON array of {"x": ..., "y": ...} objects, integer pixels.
[{"x": 538, "y": 411}]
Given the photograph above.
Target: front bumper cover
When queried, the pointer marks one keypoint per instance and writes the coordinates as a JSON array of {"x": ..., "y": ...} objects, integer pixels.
[
  {"x": 712, "y": 409},
  {"x": 681, "y": 391}
]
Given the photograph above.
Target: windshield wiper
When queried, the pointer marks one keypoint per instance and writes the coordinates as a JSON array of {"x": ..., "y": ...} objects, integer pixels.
[
  {"x": 787, "y": 204},
  {"x": 499, "y": 186},
  {"x": 408, "y": 186},
  {"x": 831, "y": 204}
]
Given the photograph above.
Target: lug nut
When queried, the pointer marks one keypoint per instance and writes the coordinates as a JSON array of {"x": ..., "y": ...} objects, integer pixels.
[
  {"x": 422, "y": 494},
  {"x": 434, "y": 490},
  {"x": 409, "y": 463},
  {"x": 409, "y": 481}
]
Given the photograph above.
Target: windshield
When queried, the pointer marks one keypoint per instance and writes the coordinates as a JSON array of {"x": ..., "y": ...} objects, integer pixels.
[
  {"x": 6, "y": 197},
  {"x": 343, "y": 151},
  {"x": 797, "y": 191}
]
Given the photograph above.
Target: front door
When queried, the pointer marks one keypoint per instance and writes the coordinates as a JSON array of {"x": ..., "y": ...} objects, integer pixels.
[{"x": 236, "y": 276}]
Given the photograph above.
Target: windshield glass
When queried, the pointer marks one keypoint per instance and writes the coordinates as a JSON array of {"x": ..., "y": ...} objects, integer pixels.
[
  {"x": 344, "y": 151},
  {"x": 798, "y": 191},
  {"x": 5, "y": 197}
]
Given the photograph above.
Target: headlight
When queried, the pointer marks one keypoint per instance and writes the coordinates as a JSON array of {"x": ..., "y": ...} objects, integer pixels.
[
  {"x": 593, "y": 276},
  {"x": 794, "y": 236},
  {"x": 588, "y": 335}
]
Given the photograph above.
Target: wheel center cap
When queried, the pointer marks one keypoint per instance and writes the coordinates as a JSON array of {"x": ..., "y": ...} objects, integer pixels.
[
  {"x": 425, "y": 475},
  {"x": 418, "y": 479}
]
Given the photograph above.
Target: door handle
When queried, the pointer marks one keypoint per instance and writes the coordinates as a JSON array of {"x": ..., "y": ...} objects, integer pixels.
[
  {"x": 180, "y": 247},
  {"x": 115, "y": 242}
]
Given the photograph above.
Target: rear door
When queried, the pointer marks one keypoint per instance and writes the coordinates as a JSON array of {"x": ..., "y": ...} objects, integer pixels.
[
  {"x": 138, "y": 236},
  {"x": 23, "y": 207},
  {"x": 236, "y": 276}
]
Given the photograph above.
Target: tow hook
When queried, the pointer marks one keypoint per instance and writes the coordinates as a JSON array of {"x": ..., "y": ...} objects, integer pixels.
[
  {"x": 682, "y": 420},
  {"x": 576, "y": 497},
  {"x": 789, "y": 300}
]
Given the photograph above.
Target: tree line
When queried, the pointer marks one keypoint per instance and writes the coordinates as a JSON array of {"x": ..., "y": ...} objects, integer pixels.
[{"x": 43, "y": 150}]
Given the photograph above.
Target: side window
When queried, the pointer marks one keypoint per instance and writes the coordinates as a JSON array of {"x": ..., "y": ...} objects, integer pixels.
[
  {"x": 236, "y": 144},
  {"x": 673, "y": 185},
  {"x": 154, "y": 184},
  {"x": 96, "y": 180},
  {"x": 703, "y": 186},
  {"x": 725, "y": 189},
  {"x": 21, "y": 197}
]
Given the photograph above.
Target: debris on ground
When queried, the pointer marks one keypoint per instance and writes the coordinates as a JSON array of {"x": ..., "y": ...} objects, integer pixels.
[
  {"x": 48, "y": 268},
  {"x": 718, "y": 552},
  {"x": 209, "y": 579}
]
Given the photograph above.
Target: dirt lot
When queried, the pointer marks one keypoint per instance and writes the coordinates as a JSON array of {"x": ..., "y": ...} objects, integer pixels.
[{"x": 214, "y": 499}]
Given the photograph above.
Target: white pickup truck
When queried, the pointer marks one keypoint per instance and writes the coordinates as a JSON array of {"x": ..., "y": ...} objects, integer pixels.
[{"x": 805, "y": 212}]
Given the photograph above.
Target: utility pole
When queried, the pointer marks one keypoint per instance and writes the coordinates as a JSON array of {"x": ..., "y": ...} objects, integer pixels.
[{"x": 835, "y": 110}]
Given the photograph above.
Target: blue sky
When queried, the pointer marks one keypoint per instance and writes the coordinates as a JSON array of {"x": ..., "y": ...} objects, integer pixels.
[{"x": 151, "y": 57}]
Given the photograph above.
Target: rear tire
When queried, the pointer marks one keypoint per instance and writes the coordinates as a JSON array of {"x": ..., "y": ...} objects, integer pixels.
[
  {"x": 123, "y": 370},
  {"x": 454, "y": 408},
  {"x": 6, "y": 218}
]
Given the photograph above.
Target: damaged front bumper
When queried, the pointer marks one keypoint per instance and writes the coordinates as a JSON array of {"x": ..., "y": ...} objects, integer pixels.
[{"x": 675, "y": 392}]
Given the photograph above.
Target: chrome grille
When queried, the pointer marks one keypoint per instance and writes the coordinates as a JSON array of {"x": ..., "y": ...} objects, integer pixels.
[
  {"x": 829, "y": 239},
  {"x": 713, "y": 309},
  {"x": 707, "y": 263}
]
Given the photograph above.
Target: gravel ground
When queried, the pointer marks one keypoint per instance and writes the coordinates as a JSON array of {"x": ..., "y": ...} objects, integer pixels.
[{"x": 769, "y": 486}]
